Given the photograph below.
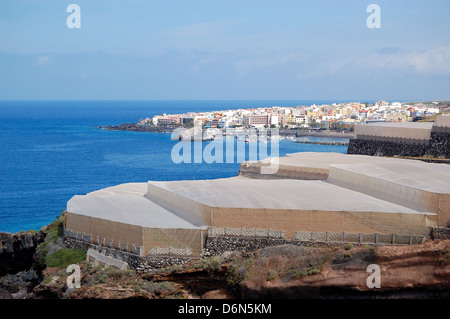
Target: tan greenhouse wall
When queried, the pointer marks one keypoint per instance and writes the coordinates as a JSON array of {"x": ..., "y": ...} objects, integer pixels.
[
  {"x": 105, "y": 229},
  {"x": 291, "y": 221},
  {"x": 191, "y": 239}
]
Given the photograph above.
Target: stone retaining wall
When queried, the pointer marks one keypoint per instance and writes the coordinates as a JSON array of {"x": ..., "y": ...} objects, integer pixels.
[
  {"x": 216, "y": 245},
  {"x": 438, "y": 146},
  {"x": 440, "y": 233},
  {"x": 136, "y": 262}
]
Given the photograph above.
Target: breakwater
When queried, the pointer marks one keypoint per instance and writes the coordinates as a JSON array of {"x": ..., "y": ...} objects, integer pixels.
[
  {"x": 136, "y": 127},
  {"x": 324, "y": 143}
]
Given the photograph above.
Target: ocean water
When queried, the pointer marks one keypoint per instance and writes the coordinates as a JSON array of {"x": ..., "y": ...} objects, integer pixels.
[{"x": 52, "y": 150}]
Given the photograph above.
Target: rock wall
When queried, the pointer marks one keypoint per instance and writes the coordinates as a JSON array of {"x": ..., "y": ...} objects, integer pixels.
[
  {"x": 440, "y": 233},
  {"x": 17, "y": 250},
  {"x": 134, "y": 261},
  {"x": 438, "y": 146},
  {"x": 216, "y": 246}
]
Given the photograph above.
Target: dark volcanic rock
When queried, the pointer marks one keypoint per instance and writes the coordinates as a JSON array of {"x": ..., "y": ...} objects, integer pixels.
[
  {"x": 438, "y": 147},
  {"x": 19, "y": 283},
  {"x": 17, "y": 250}
]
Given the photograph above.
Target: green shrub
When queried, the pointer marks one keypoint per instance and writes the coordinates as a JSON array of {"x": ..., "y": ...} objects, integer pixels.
[
  {"x": 115, "y": 274},
  {"x": 41, "y": 254},
  {"x": 47, "y": 280},
  {"x": 136, "y": 288},
  {"x": 300, "y": 273},
  {"x": 210, "y": 265},
  {"x": 119, "y": 273},
  {"x": 162, "y": 286},
  {"x": 238, "y": 271},
  {"x": 65, "y": 257},
  {"x": 348, "y": 246},
  {"x": 272, "y": 275},
  {"x": 315, "y": 268},
  {"x": 174, "y": 269}
]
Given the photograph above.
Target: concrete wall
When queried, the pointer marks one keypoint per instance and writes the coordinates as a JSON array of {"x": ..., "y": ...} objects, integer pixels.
[
  {"x": 409, "y": 131},
  {"x": 442, "y": 124},
  {"x": 96, "y": 258},
  {"x": 392, "y": 139}
]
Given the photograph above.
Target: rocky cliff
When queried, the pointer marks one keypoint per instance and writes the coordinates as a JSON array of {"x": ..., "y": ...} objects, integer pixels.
[
  {"x": 17, "y": 250},
  {"x": 412, "y": 271}
]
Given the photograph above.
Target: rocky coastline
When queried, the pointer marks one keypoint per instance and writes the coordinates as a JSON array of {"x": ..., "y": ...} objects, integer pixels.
[
  {"x": 324, "y": 143},
  {"x": 136, "y": 127}
]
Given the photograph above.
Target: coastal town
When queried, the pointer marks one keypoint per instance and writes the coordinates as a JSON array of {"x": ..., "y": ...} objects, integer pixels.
[{"x": 335, "y": 116}]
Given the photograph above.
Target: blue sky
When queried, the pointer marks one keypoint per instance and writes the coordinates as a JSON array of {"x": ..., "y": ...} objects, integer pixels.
[{"x": 217, "y": 49}]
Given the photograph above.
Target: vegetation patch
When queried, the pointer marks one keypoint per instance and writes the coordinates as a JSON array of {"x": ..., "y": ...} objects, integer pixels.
[
  {"x": 47, "y": 280},
  {"x": 211, "y": 265},
  {"x": 238, "y": 271},
  {"x": 348, "y": 246},
  {"x": 153, "y": 287},
  {"x": 65, "y": 257},
  {"x": 56, "y": 229},
  {"x": 313, "y": 269},
  {"x": 272, "y": 275}
]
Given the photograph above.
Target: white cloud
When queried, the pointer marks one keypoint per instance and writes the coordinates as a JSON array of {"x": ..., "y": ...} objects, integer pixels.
[
  {"x": 392, "y": 62},
  {"x": 431, "y": 61},
  {"x": 434, "y": 61}
]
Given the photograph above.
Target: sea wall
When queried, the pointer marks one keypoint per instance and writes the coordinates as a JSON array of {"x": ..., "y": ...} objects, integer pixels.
[{"x": 438, "y": 146}]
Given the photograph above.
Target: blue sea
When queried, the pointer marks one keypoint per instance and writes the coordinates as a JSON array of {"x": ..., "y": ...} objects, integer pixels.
[{"x": 53, "y": 150}]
